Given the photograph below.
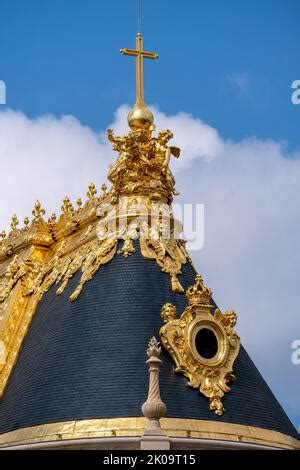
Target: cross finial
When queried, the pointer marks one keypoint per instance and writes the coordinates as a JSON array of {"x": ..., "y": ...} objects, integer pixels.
[{"x": 140, "y": 116}]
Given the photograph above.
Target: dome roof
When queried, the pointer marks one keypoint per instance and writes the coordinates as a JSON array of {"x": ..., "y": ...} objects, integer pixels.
[{"x": 86, "y": 359}]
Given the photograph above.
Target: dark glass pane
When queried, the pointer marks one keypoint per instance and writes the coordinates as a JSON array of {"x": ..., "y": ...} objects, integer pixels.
[{"x": 206, "y": 343}]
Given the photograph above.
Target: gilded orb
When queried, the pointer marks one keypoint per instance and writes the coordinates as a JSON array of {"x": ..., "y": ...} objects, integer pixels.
[{"x": 140, "y": 117}]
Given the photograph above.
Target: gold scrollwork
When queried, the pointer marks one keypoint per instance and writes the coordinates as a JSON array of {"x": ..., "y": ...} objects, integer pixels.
[
  {"x": 27, "y": 279},
  {"x": 170, "y": 255},
  {"x": 208, "y": 370}
]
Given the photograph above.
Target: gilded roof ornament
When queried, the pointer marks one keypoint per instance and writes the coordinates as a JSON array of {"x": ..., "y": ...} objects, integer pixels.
[
  {"x": 142, "y": 167},
  {"x": 199, "y": 293},
  {"x": 26, "y": 224},
  {"x": 136, "y": 207},
  {"x": 38, "y": 212},
  {"x": 140, "y": 117},
  {"x": 143, "y": 184},
  {"x": 52, "y": 221},
  {"x": 202, "y": 343},
  {"x": 92, "y": 191},
  {"x": 14, "y": 222},
  {"x": 67, "y": 207}
]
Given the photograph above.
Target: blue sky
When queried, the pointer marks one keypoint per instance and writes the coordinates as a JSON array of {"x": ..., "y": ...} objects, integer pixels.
[{"x": 230, "y": 65}]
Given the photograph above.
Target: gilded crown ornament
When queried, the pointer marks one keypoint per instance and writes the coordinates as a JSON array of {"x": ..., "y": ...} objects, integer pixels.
[
  {"x": 26, "y": 223},
  {"x": 199, "y": 293},
  {"x": 202, "y": 343}
]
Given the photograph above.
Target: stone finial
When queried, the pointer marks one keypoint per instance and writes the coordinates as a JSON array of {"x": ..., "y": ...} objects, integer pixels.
[{"x": 154, "y": 408}]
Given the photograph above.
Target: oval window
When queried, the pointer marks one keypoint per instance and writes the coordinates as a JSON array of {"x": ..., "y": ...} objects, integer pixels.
[{"x": 206, "y": 343}]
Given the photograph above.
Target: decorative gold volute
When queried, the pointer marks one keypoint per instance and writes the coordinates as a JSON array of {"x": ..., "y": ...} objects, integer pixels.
[{"x": 202, "y": 343}]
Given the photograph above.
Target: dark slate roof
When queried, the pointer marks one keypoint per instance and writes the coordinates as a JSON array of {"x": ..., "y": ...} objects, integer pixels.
[{"x": 86, "y": 359}]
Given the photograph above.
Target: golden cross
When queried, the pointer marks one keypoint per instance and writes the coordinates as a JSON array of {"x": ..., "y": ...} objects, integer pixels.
[{"x": 139, "y": 54}]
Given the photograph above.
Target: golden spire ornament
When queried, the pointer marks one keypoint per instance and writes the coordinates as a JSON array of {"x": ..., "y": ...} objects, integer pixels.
[
  {"x": 140, "y": 116},
  {"x": 142, "y": 167}
]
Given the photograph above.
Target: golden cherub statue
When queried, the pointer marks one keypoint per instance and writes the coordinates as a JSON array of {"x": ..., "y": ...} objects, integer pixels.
[{"x": 143, "y": 163}]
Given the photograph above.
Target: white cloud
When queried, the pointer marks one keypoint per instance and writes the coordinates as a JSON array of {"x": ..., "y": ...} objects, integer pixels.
[
  {"x": 46, "y": 158},
  {"x": 250, "y": 189}
]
